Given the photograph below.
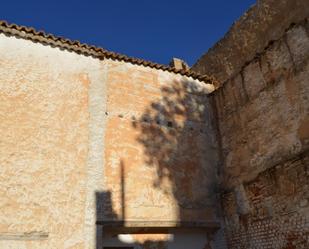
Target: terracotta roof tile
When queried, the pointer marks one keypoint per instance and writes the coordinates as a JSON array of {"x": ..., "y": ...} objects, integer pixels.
[{"x": 42, "y": 37}]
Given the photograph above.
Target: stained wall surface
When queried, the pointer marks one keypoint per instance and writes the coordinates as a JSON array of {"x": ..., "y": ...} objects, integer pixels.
[
  {"x": 85, "y": 140},
  {"x": 44, "y": 145},
  {"x": 158, "y": 149},
  {"x": 262, "y": 115}
]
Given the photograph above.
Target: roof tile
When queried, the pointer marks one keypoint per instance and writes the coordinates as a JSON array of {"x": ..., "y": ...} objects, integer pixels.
[{"x": 31, "y": 34}]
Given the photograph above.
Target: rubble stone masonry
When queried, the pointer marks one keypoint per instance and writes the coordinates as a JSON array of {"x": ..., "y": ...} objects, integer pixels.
[{"x": 262, "y": 107}]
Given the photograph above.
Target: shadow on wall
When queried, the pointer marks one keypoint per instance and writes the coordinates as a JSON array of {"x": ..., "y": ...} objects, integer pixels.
[
  {"x": 104, "y": 209},
  {"x": 174, "y": 134}
]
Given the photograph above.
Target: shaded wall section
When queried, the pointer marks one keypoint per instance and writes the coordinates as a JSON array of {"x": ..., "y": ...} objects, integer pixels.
[
  {"x": 159, "y": 138},
  {"x": 262, "y": 115},
  {"x": 160, "y": 156}
]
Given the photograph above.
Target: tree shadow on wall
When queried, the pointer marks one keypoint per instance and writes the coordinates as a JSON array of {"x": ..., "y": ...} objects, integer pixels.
[{"x": 175, "y": 132}]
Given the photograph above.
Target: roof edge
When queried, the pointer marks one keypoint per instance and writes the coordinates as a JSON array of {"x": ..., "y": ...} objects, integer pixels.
[{"x": 42, "y": 37}]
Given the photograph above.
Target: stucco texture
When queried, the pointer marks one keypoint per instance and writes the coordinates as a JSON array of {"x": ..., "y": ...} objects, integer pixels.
[
  {"x": 43, "y": 146},
  {"x": 85, "y": 140},
  {"x": 155, "y": 146}
]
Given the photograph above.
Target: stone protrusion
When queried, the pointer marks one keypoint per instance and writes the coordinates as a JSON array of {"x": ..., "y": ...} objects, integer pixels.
[{"x": 179, "y": 64}]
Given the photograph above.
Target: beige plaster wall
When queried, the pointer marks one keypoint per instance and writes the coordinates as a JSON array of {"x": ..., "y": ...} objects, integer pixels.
[
  {"x": 158, "y": 134},
  {"x": 86, "y": 140},
  {"x": 44, "y": 146}
]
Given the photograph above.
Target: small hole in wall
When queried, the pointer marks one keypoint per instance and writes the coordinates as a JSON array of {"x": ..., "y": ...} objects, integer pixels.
[
  {"x": 133, "y": 118},
  {"x": 120, "y": 115},
  {"x": 145, "y": 120},
  {"x": 169, "y": 124},
  {"x": 191, "y": 129},
  {"x": 158, "y": 122},
  {"x": 106, "y": 113}
]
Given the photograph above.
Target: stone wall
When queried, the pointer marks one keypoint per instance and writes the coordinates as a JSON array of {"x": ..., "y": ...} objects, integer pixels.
[
  {"x": 266, "y": 21},
  {"x": 270, "y": 211},
  {"x": 262, "y": 110}
]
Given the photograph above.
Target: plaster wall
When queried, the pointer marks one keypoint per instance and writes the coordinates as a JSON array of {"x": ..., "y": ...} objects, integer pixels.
[
  {"x": 159, "y": 148},
  {"x": 85, "y": 140},
  {"x": 45, "y": 149}
]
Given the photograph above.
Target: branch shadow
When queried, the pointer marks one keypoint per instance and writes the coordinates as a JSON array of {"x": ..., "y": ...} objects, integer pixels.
[{"x": 176, "y": 135}]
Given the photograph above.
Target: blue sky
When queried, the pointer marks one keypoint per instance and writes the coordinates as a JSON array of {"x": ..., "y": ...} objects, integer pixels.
[{"x": 155, "y": 30}]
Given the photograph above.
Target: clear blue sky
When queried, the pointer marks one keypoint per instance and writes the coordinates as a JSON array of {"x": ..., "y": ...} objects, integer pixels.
[{"x": 155, "y": 30}]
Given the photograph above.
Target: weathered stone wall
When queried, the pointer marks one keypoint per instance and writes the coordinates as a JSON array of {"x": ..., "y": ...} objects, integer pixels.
[
  {"x": 266, "y": 21},
  {"x": 272, "y": 210},
  {"x": 262, "y": 110},
  {"x": 85, "y": 140}
]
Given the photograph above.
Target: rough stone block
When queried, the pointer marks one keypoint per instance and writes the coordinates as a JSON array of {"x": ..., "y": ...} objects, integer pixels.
[
  {"x": 242, "y": 200},
  {"x": 229, "y": 101},
  {"x": 253, "y": 79},
  {"x": 298, "y": 42},
  {"x": 241, "y": 96},
  {"x": 276, "y": 61}
]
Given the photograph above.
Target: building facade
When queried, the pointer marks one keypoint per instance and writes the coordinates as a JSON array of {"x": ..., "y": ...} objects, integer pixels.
[{"x": 100, "y": 150}]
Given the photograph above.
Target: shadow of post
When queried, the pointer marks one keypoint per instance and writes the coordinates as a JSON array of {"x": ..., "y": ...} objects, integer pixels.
[{"x": 104, "y": 212}]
